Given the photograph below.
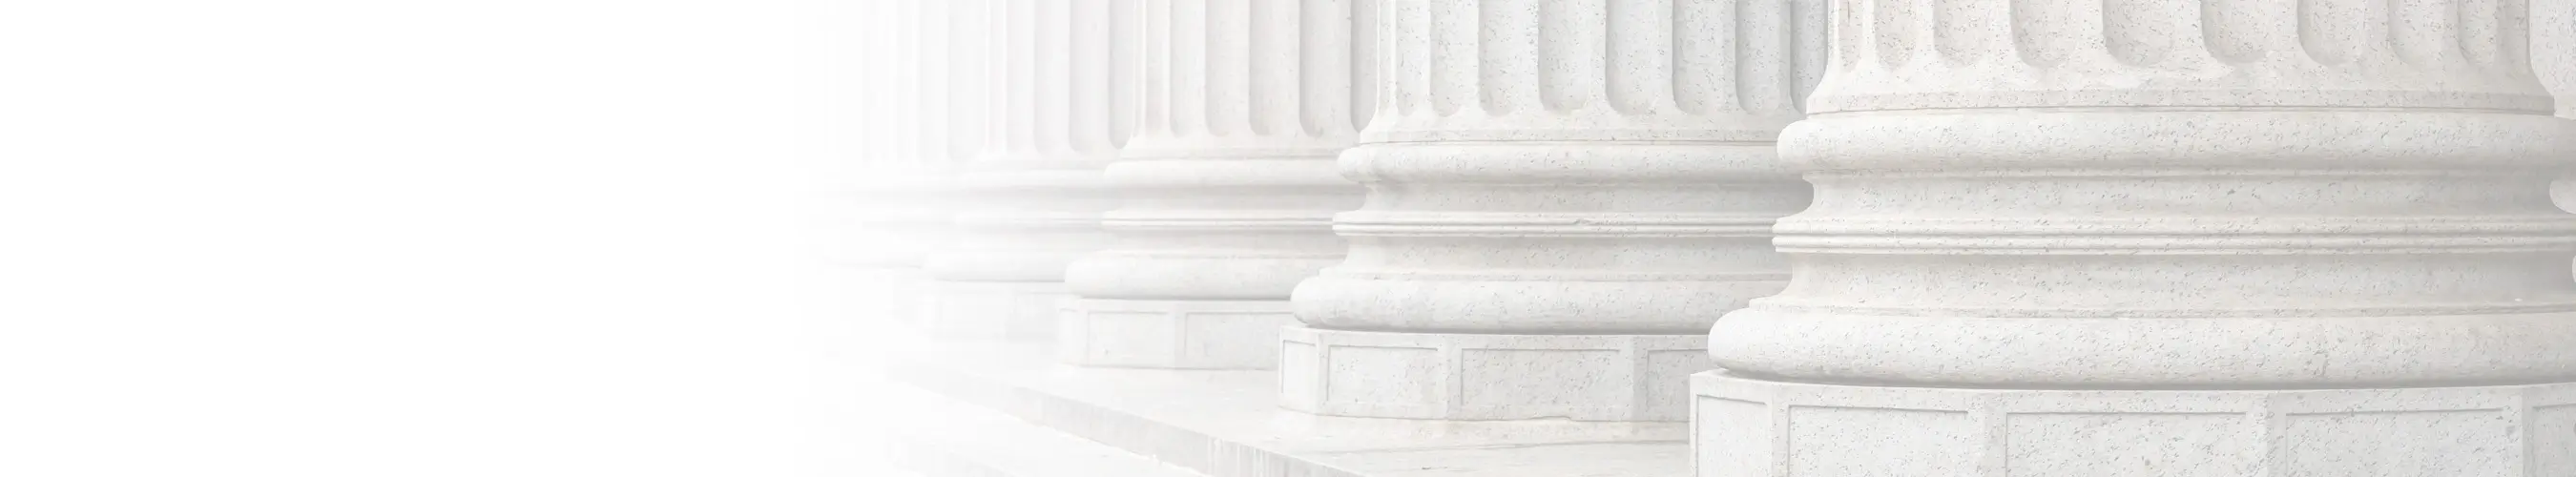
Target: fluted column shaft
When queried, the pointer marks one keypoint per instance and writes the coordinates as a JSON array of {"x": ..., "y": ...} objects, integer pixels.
[
  {"x": 1035, "y": 189},
  {"x": 928, "y": 126},
  {"x": 1562, "y": 195},
  {"x": 2117, "y": 237},
  {"x": 1228, "y": 186},
  {"x": 917, "y": 106}
]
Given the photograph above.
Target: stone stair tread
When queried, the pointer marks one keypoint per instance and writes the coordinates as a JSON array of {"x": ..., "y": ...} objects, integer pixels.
[
  {"x": 1228, "y": 423},
  {"x": 937, "y": 437}
]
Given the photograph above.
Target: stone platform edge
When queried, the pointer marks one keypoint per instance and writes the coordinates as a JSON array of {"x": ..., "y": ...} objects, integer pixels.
[
  {"x": 1184, "y": 448},
  {"x": 941, "y": 437},
  {"x": 1745, "y": 427}
]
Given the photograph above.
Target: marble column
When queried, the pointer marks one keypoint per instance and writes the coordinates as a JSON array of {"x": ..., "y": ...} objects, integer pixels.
[
  {"x": 897, "y": 210},
  {"x": 1562, "y": 196},
  {"x": 1228, "y": 186},
  {"x": 1035, "y": 191},
  {"x": 2553, "y": 57},
  {"x": 2120, "y": 238}
]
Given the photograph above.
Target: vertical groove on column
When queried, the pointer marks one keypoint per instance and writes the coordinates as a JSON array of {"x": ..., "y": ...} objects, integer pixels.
[{"x": 1229, "y": 78}]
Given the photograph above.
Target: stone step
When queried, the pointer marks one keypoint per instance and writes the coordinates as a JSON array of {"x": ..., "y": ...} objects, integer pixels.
[
  {"x": 1228, "y": 423},
  {"x": 933, "y": 436}
]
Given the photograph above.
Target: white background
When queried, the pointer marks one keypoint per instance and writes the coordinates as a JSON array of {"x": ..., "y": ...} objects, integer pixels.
[{"x": 360, "y": 238}]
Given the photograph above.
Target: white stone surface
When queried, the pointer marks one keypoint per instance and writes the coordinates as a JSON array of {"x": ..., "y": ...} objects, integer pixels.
[
  {"x": 2553, "y": 60},
  {"x": 893, "y": 295},
  {"x": 2233, "y": 237},
  {"x": 923, "y": 117},
  {"x": 1037, "y": 190},
  {"x": 1756, "y": 428},
  {"x": 1228, "y": 186},
  {"x": 969, "y": 309},
  {"x": 1480, "y": 377},
  {"x": 2090, "y": 217},
  {"x": 1227, "y": 423},
  {"x": 1176, "y": 334},
  {"x": 941, "y": 437},
  {"x": 1559, "y": 167}
]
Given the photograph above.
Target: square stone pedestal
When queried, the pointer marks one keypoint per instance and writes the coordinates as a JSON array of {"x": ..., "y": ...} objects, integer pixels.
[
  {"x": 991, "y": 309},
  {"x": 1482, "y": 377},
  {"x": 1754, "y": 428},
  {"x": 1172, "y": 334}
]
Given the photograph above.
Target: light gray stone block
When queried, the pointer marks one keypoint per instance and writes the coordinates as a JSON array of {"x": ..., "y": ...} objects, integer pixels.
[
  {"x": 992, "y": 309},
  {"x": 1756, "y": 428},
  {"x": 1172, "y": 334},
  {"x": 1485, "y": 376}
]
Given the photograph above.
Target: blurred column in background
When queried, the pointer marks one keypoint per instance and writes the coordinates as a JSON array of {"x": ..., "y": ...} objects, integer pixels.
[
  {"x": 1229, "y": 187},
  {"x": 1562, "y": 197},
  {"x": 1034, "y": 192},
  {"x": 2231, "y": 237},
  {"x": 899, "y": 205}
]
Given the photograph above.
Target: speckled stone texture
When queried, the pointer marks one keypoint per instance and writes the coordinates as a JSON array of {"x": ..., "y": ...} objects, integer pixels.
[
  {"x": 1488, "y": 377},
  {"x": 1172, "y": 334},
  {"x": 2553, "y": 59},
  {"x": 1036, "y": 189},
  {"x": 1228, "y": 186},
  {"x": 2344, "y": 196},
  {"x": 1562, "y": 168},
  {"x": 1756, "y": 428}
]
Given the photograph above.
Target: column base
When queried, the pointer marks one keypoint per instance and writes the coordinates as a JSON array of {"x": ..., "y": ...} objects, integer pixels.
[
  {"x": 1747, "y": 427},
  {"x": 1172, "y": 334},
  {"x": 1488, "y": 377},
  {"x": 991, "y": 309}
]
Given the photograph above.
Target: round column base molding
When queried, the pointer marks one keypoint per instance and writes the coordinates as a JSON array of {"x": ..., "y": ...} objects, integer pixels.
[
  {"x": 1487, "y": 376},
  {"x": 957, "y": 309},
  {"x": 1746, "y": 427},
  {"x": 1172, "y": 334}
]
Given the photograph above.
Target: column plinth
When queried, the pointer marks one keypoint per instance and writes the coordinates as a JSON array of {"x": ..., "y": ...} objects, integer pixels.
[
  {"x": 2241, "y": 235},
  {"x": 1551, "y": 185},
  {"x": 1228, "y": 186},
  {"x": 1466, "y": 376}
]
